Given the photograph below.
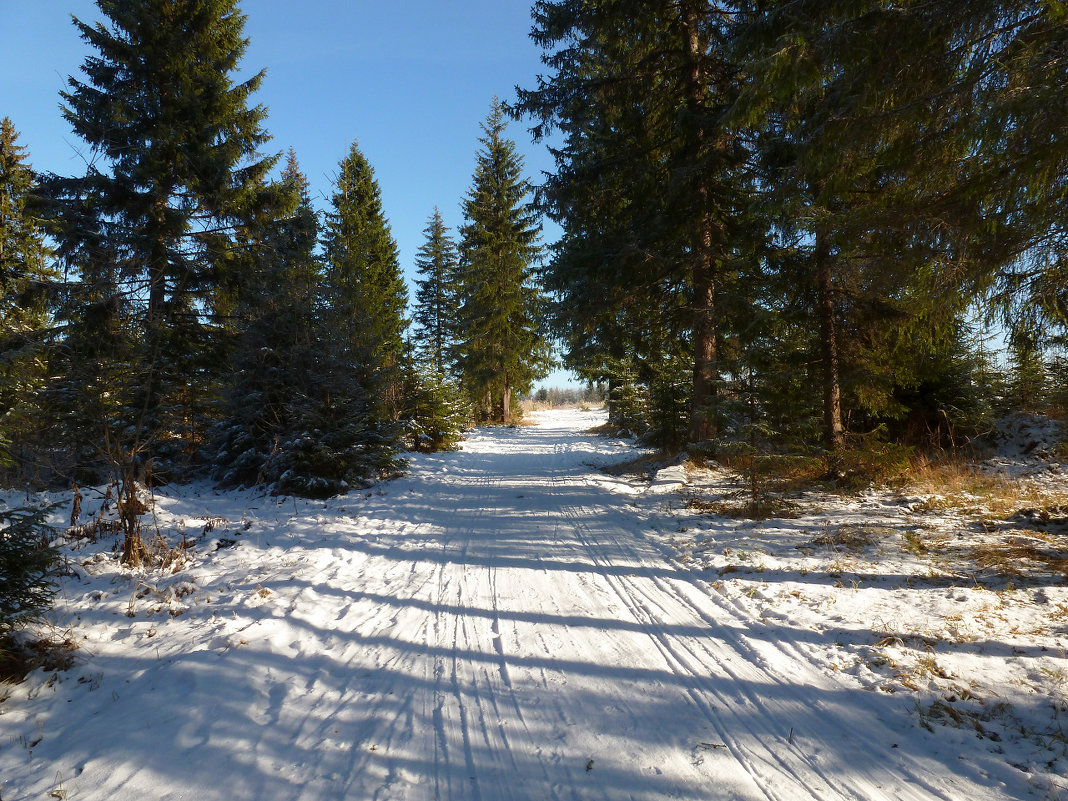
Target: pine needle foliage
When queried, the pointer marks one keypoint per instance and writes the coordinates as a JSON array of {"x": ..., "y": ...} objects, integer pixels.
[
  {"x": 27, "y": 563},
  {"x": 436, "y": 296},
  {"x": 501, "y": 345},
  {"x": 277, "y": 354},
  {"x": 367, "y": 291},
  {"x": 897, "y": 173},
  {"x": 174, "y": 181},
  {"x": 25, "y": 287},
  {"x": 648, "y": 189},
  {"x": 760, "y": 184},
  {"x": 434, "y": 413}
]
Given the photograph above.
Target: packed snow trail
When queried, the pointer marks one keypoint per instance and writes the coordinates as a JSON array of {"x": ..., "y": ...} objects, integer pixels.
[{"x": 495, "y": 625}]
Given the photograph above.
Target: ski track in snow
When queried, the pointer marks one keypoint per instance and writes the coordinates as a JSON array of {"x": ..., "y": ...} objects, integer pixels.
[{"x": 495, "y": 625}]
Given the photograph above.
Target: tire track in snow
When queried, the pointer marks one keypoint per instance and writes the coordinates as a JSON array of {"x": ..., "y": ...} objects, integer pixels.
[
  {"x": 364, "y": 692},
  {"x": 522, "y": 642},
  {"x": 449, "y": 638},
  {"x": 679, "y": 659},
  {"x": 503, "y": 695},
  {"x": 478, "y": 693},
  {"x": 592, "y": 595},
  {"x": 456, "y": 678},
  {"x": 762, "y": 753},
  {"x": 638, "y": 606}
]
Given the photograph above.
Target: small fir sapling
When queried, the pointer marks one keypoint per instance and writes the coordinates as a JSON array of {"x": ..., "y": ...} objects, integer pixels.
[{"x": 26, "y": 565}]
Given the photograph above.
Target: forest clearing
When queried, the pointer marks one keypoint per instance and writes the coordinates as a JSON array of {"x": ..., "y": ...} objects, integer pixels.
[{"x": 515, "y": 621}]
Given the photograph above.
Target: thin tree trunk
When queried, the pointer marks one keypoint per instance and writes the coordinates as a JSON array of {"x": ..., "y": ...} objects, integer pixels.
[
  {"x": 157, "y": 266},
  {"x": 702, "y": 413},
  {"x": 128, "y": 505},
  {"x": 506, "y": 404},
  {"x": 833, "y": 435}
]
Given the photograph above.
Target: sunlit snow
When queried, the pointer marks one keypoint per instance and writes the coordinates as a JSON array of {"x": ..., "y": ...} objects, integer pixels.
[{"x": 510, "y": 622}]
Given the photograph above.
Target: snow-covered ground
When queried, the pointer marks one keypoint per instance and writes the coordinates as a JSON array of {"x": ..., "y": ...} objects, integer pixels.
[{"x": 511, "y": 622}]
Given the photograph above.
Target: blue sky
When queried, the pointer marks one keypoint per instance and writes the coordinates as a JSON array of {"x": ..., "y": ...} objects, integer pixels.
[{"x": 409, "y": 81}]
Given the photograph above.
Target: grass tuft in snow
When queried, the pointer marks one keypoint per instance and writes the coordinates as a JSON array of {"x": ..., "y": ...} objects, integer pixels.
[
  {"x": 970, "y": 488},
  {"x": 1022, "y": 553},
  {"x": 849, "y": 537},
  {"x": 20, "y": 656},
  {"x": 745, "y": 508}
]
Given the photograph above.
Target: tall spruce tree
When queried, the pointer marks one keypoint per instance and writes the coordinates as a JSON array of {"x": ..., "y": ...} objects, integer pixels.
[
  {"x": 836, "y": 141},
  {"x": 885, "y": 167},
  {"x": 1028, "y": 383},
  {"x": 26, "y": 563},
  {"x": 647, "y": 188},
  {"x": 436, "y": 299},
  {"x": 277, "y": 352},
  {"x": 89, "y": 396},
  {"x": 24, "y": 282},
  {"x": 368, "y": 295},
  {"x": 175, "y": 178},
  {"x": 433, "y": 413},
  {"x": 501, "y": 345}
]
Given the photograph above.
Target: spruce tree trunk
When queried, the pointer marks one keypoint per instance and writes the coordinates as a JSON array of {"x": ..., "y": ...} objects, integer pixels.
[
  {"x": 158, "y": 260},
  {"x": 702, "y": 420},
  {"x": 506, "y": 404},
  {"x": 702, "y": 416},
  {"x": 833, "y": 435}
]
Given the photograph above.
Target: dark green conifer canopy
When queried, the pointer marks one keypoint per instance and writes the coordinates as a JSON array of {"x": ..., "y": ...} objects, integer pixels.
[{"x": 501, "y": 342}]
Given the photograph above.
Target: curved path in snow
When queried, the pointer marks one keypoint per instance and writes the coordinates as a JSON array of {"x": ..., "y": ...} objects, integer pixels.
[{"x": 493, "y": 626}]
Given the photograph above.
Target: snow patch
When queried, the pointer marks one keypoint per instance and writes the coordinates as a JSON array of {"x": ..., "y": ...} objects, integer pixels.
[{"x": 668, "y": 479}]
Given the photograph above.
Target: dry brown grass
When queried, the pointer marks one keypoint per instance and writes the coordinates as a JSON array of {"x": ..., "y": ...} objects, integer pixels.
[
  {"x": 94, "y": 529},
  {"x": 782, "y": 473},
  {"x": 960, "y": 486},
  {"x": 1020, "y": 520},
  {"x": 850, "y": 537},
  {"x": 761, "y": 485},
  {"x": 767, "y": 508},
  {"x": 946, "y": 714},
  {"x": 18, "y": 659},
  {"x": 528, "y": 405},
  {"x": 644, "y": 465},
  {"x": 1020, "y": 553},
  {"x": 604, "y": 430}
]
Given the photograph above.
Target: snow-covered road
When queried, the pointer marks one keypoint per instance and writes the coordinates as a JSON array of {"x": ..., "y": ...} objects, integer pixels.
[{"x": 496, "y": 625}]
